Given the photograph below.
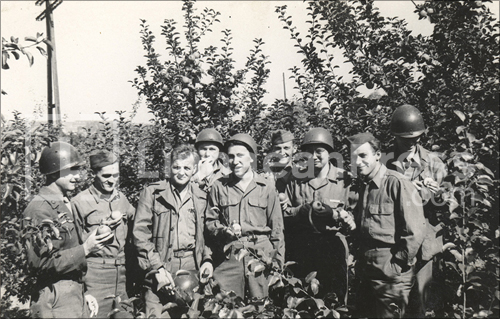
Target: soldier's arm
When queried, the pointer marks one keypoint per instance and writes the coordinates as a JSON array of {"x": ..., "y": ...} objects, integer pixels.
[
  {"x": 410, "y": 222},
  {"x": 275, "y": 221},
  {"x": 78, "y": 218},
  {"x": 213, "y": 225},
  {"x": 48, "y": 259},
  {"x": 148, "y": 257}
]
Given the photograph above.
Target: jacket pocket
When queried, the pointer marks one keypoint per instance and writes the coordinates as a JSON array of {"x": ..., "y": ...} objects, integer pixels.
[
  {"x": 256, "y": 215},
  {"x": 95, "y": 218},
  {"x": 382, "y": 222},
  {"x": 160, "y": 231}
]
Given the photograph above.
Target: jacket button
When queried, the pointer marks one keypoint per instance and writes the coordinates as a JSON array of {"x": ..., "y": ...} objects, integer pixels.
[
  {"x": 170, "y": 246},
  {"x": 172, "y": 228},
  {"x": 170, "y": 259}
]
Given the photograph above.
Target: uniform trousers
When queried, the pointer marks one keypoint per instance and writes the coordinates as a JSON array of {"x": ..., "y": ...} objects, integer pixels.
[
  {"x": 234, "y": 275},
  {"x": 325, "y": 253},
  {"x": 154, "y": 300},
  {"x": 382, "y": 284},
  {"x": 104, "y": 279},
  {"x": 62, "y": 299}
]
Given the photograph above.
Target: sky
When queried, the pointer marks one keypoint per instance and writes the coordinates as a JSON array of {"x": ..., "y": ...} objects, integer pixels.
[{"x": 98, "y": 47}]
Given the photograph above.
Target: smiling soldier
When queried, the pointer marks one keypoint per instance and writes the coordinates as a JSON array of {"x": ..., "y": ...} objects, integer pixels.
[
  {"x": 168, "y": 230},
  {"x": 102, "y": 206},
  {"x": 243, "y": 210},
  {"x": 391, "y": 228},
  {"x": 55, "y": 256}
]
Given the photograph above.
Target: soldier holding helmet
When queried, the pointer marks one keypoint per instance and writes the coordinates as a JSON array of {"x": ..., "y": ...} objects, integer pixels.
[
  {"x": 55, "y": 255},
  {"x": 168, "y": 229},
  {"x": 317, "y": 198}
]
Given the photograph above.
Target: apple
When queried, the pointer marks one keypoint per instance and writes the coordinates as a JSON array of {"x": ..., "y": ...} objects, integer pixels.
[
  {"x": 282, "y": 197},
  {"x": 185, "y": 79},
  {"x": 430, "y": 10},
  {"x": 317, "y": 205},
  {"x": 103, "y": 229},
  {"x": 196, "y": 55},
  {"x": 478, "y": 4},
  {"x": 423, "y": 13},
  {"x": 116, "y": 215},
  {"x": 185, "y": 91}
]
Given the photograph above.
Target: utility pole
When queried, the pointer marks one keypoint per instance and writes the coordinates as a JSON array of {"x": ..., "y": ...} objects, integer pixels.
[
  {"x": 284, "y": 87},
  {"x": 53, "y": 105}
]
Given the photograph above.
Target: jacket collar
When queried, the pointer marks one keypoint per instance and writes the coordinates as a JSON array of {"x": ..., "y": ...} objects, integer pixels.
[
  {"x": 52, "y": 195},
  {"x": 99, "y": 196},
  {"x": 379, "y": 176}
]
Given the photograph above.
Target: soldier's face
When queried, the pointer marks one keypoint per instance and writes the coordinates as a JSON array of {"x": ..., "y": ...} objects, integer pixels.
[
  {"x": 240, "y": 160},
  {"x": 182, "y": 170},
  {"x": 106, "y": 179},
  {"x": 366, "y": 159},
  {"x": 68, "y": 178},
  {"x": 407, "y": 144},
  {"x": 208, "y": 151},
  {"x": 284, "y": 151},
  {"x": 319, "y": 154}
]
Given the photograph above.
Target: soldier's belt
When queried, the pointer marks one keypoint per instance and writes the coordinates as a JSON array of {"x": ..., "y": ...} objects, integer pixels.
[
  {"x": 183, "y": 253},
  {"x": 106, "y": 261}
]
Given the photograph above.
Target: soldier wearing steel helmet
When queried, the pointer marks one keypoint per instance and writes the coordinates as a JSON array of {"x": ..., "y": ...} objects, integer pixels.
[
  {"x": 318, "y": 194},
  {"x": 211, "y": 167},
  {"x": 426, "y": 171},
  {"x": 243, "y": 211},
  {"x": 56, "y": 256}
]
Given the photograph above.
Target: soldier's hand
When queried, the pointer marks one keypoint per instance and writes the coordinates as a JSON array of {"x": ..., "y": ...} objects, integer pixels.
[
  {"x": 96, "y": 242},
  {"x": 229, "y": 234},
  {"x": 113, "y": 223},
  {"x": 164, "y": 278},
  {"x": 347, "y": 219},
  {"x": 93, "y": 305},
  {"x": 206, "y": 272},
  {"x": 284, "y": 202},
  {"x": 431, "y": 184},
  {"x": 205, "y": 167},
  {"x": 418, "y": 184}
]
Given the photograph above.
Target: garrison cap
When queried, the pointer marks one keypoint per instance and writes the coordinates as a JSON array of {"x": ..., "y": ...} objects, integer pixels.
[
  {"x": 101, "y": 158},
  {"x": 281, "y": 136},
  {"x": 361, "y": 138}
]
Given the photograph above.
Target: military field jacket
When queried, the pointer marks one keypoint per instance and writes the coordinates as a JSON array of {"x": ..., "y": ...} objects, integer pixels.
[
  {"x": 66, "y": 260},
  {"x": 389, "y": 211},
  {"x": 256, "y": 209},
  {"x": 153, "y": 227}
]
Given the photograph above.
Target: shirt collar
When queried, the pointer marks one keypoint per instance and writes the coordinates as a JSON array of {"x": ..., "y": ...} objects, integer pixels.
[
  {"x": 53, "y": 195},
  {"x": 378, "y": 176},
  {"x": 98, "y": 196}
]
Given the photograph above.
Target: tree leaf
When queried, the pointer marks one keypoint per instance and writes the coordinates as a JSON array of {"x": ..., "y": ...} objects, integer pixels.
[
  {"x": 42, "y": 50},
  {"x": 460, "y": 115},
  {"x": 311, "y": 276},
  {"x": 30, "y": 57}
]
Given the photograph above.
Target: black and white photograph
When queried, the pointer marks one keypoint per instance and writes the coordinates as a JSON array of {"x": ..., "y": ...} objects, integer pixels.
[{"x": 250, "y": 159}]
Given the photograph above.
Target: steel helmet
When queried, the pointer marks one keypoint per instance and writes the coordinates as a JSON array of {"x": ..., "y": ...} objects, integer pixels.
[
  {"x": 186, "y": 284},
  {"x": 59, "y": 156},
  {"x": 318, "y": 135},
  {"x": 209, "y": 135},
  {"x": 407, "y": 121},
  {"x": 246, "y": 140}
]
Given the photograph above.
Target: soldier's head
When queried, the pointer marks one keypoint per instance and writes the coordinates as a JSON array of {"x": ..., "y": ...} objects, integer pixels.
[
  {"x": 365, "y": 153},
  {"x": 241, "y": 150},
  {"x": 209, "y": 143},
  {"x": 407, "y": 125},
  {"x": 283, "y": 147},
  {"x": 318, "y": 142},
  {"x": 60, "y": 163},
  {"x": 106, "y": 169},
  {"x": 183, "y": 159}
]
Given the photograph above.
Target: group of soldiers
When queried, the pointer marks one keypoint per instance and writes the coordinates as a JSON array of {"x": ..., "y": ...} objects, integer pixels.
[{"x": 215, "y": 202}]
